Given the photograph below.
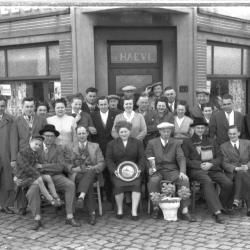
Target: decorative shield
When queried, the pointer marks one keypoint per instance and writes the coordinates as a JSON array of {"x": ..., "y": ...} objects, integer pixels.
[{"x": 127, "y": 171}]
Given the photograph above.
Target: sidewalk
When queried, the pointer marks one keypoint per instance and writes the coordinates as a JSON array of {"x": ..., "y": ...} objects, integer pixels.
[{"x": 110, "y": 233}]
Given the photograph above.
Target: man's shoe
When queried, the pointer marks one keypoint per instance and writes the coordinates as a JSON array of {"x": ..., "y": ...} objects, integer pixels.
[
  {"x": 219, "y": 218},
  {"x": 92, "y": 219},
  {"x": 135, "y": 217},
  {"x": 72, "y": 222},
  {"x": 22, "y": 211},
  {"x": 37, "y": 225},
  {"x": 155, "y": 213},
  {"x": 6, "y": 210},
  {"x": 79, "y": 202},
  {"x": 188, "y": 217},
  {"x": 248, "y": 212}
]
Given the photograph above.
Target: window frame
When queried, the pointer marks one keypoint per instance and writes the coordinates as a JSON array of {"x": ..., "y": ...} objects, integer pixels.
[{"x": 47, "y": 61}]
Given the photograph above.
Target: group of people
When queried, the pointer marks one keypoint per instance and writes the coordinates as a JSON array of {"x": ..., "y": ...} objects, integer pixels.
[{"x": 42, "y": 154}]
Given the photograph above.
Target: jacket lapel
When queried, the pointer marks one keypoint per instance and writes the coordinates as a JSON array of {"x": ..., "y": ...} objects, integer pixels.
[{"x": 4, "y": 121}]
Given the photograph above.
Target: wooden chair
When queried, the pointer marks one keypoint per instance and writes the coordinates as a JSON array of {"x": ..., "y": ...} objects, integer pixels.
[{"x": 98, "y": 196}]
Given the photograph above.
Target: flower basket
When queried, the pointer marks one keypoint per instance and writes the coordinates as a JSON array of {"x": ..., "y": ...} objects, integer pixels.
[{"x": 169, "y": 207}]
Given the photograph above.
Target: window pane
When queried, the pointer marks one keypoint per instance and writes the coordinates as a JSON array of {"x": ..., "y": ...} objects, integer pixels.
[
  {"x": 133, "y": 53},
  {"x": 246, "y": 61},
  {"x": 2, "y": 64},
  {"x": 27, "y": 62},
  {"x": 54, "y": 67},
  {"x": 209, "y": 59},
  {"x": 227, "y": 60}
]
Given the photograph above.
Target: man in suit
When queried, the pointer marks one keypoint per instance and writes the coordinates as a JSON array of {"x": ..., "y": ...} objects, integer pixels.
[
  {"x": 221, "y": 120},
  {"x": 82, "y": 118},
  {"x": 24, "y": 127},
  {"x": 89, "y": 105},
  {"x": 204, "y": 165},
  {"x": 236, "y": 164},
  {"x": 88, "y": 161},
  {"x": 170, "y": 165},
  {"x": 202, "y": 96},
  {"x": 53, "y": 163},
  {"x": 6, "y": 180},
  {"x": 170, "y": 94},
  {"x": 103, "y": 121}
]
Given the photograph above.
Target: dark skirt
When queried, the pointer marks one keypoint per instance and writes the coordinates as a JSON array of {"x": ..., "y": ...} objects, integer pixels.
[{"x": 121, "y": 186}]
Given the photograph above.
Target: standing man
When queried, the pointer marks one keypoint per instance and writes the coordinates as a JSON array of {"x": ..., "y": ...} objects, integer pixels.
[
  {"x": 6, "y": 179},
  {"x": 170, "y": 94},
  {"x": 221, "y": 120},
  {"x": 89, "y": 105},
  {"x": 170, "y": 164},
  {"x": 25, "y": 126},
  {"x": 204, "y": 165},
  {"x": 113, "y": 102},
  {"x": 202, "y": 96},
  {"x": 82, "y": 118},
  {"x": 103, "y": 122},
  {"x": 236, "y": 163}
]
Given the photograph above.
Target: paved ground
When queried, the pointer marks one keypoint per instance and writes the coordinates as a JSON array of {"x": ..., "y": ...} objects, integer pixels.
[{"x": 110, "y": 233}]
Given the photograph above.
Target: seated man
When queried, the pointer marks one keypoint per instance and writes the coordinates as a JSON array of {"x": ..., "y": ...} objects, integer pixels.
[
  {"x": 87, "y": 162},
  {"x": 236, "y": 163},
  {"x": 170, "y": 164},
  {"x": 53, "y": 163},
  {"x": 204, "y": 165}
]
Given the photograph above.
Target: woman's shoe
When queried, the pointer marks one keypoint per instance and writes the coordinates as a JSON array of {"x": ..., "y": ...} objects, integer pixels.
[
  {"x": 135, "y": 217},
  {"x": 119, "y": 216}
]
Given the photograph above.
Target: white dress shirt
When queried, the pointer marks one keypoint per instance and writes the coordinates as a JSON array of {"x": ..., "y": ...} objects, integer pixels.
[
  {"x": 164, "y": 143},
  {"x": 237, "y": 144},
  {"x": 230, "y": 118},
  {"x": 104, "y": 117}
]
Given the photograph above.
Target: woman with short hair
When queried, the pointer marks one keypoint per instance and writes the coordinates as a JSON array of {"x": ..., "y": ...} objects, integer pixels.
[{"x": 125, "y": 148}]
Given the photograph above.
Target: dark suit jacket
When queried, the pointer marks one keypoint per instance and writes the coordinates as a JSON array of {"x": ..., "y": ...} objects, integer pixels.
[
  {"x": 196, "y": 112},
  {"x": 171, "y": 159},
  {"x": 194, "y": 158},
  {"x": 103, "y": 135},
  {"x": 85, "y": 121},
  {"x": 117, "y": 153},
  {"x": 218, "y": 126},
  {"x": 85, "y": 108},
  {"x": 21, "y": 133},
  {"x": 232, "y": 159},
  {"x": 169, "y": 109}
]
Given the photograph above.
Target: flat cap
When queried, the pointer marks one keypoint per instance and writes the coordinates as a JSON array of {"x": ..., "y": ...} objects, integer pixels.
[
  {"x": 202, "y": 90},
  {"x": 165, "y": 125},
  {"x": 113, "y": 97},
  {"x": 128, "y": 88}
]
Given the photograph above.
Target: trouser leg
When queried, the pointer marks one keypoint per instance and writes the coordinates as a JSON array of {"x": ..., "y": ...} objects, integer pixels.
[
  {"x": 43, "y": 189},
  {"x": 34, "y": 200},
  {"x": 51, "y": 185},
  {"x": 90, "y": 199},
  {"x": 226, "y": 186},
  {"x": 210, "y": 193},
  {"x": 85, "y": 181},
  {"x": 183, "y": 183},
  {"x": 68, "y": 187}
]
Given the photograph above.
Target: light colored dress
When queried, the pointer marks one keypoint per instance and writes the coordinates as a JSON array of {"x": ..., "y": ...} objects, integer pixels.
[
  {"x": 182, "y": 130},
  {"x": 65, "y": 126},
  {"x": 139, "y": 127}
]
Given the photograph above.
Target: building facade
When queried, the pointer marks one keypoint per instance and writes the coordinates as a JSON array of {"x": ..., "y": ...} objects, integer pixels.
[{"x": 47, "y": 53}]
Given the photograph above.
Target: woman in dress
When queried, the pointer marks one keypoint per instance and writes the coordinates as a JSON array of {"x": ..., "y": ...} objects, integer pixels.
[
  {"x": 64, "y": 123},
  {"x": 125, "y": 148},
  {"x": 182, "y": 129},
  {"x": 139, "y": 127}
]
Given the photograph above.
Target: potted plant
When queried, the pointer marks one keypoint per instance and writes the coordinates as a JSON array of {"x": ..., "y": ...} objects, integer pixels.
[{"x": 167, "y": 201}]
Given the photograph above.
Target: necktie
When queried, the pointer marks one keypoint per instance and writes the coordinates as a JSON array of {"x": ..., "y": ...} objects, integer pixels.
[{"x": 235, "y": 147}]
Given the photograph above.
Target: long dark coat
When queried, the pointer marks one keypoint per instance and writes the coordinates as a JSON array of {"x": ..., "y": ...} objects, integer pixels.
[{"x": 6, "y": 180}]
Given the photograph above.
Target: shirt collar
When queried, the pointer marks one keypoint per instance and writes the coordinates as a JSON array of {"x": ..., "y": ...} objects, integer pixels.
[
  {"x": 237, "y": 143},
  {"x": 163, "y": 142}
]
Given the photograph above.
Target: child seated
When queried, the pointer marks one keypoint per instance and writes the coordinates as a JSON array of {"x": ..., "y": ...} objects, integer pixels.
[{"x": 29, "y": 170}]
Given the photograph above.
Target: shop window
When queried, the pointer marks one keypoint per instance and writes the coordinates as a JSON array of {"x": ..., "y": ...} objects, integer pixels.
[
  {"x": 2, "y": 64},
  {"x": 235, "y": 87},
  {"x": 227, "y": 60},
  {"x": 27, "y": 62},
  {"x": 54, "y": 68}
]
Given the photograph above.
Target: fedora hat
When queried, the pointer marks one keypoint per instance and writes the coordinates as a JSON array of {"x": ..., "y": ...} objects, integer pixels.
[
  {"x": 198, "y": 121},
  {"x": 49, "y": 128}
]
